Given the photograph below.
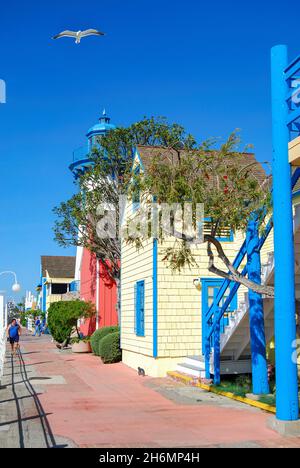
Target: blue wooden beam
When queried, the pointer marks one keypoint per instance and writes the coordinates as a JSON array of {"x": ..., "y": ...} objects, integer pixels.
[
  {"x": 292, "y": 69},
  {"x": 285, "y": 322},
  {"x": 256, "y": 313},
  {"x": 295, "y": 177},
  {"x": 217, "y": 355},
  {"x": 293, "y": 116}
]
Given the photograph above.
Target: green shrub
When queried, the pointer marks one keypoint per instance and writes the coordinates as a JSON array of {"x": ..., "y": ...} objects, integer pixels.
[
  {"x": 268, "y": 400},
  {"x": 239, "y": 386},
  {"x": 98, "y": 335},
  {"x": 63, "y": 317},
  {"x": 109, "y": 348}
]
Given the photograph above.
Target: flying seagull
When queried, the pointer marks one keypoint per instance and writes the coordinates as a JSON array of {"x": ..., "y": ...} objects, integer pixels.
[{"x": 79, "y": 34}]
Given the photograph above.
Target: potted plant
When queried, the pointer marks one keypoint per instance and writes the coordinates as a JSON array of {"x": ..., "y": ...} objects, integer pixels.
[{"x": 81, "y": 344}]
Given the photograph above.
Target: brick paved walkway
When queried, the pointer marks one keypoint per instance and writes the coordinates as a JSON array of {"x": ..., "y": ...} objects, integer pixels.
[{"x": 52, "y": 398}]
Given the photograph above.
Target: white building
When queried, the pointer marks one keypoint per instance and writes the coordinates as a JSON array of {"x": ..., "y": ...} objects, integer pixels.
[{"x": 30, "y": 301}]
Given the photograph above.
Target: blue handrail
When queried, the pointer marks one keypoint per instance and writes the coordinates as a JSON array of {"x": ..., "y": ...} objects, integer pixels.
[
  {"x": 236, "y": 286},
  {"x": 226, "y": 283}
]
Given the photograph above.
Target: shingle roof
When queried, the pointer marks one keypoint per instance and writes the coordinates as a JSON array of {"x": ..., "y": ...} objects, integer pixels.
[
  {"x": 58, "y": 266},
  {"x": 147, "y": 153}
]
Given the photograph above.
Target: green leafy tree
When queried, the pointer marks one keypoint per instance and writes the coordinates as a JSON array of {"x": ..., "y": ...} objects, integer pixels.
[
  {"x": 230, "y": 189},
  {"x": 79, "y": 219},
  {"x": 15, "y": 310}
]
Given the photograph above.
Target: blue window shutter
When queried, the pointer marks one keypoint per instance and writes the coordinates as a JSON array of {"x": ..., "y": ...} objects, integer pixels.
[
  {"x": 140, "y": 308},
  {"x": 135, "y": 308}
]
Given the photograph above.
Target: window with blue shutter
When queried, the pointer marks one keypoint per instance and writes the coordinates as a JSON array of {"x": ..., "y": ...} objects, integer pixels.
[{"x": 140, "y": 308}]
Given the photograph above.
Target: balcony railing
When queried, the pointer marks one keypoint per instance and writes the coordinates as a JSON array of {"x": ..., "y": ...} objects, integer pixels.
[{"x": 83, "y": 152}]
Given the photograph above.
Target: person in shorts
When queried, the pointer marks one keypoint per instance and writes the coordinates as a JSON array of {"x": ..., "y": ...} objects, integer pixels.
[
  {"x": 37, "y": 325},
  {"x": 13, "y": 333}
]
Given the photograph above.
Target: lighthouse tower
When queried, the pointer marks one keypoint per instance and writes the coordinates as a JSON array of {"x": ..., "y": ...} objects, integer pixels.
[
  {"x": 82, "y": 156},
  {"x": 91, "y": 279}
]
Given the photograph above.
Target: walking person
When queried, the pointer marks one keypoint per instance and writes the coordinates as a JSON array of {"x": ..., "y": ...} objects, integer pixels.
[
  {"x": 13, "y": 333},
  {"x": 43, "y": 325},
  {"x": 37, "y": 324}
]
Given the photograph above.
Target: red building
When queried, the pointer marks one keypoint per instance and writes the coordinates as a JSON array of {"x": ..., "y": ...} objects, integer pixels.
[{"x": 95, "y": 284}]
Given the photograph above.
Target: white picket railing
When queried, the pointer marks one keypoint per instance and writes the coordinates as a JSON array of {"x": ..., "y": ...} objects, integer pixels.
[
  {"x": 3, "y": 324},
  {"x": 2, "y": 351},
  {"x": 29, "y": 324}
]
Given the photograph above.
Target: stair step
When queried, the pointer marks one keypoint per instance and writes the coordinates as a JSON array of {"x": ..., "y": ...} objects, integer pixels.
[
  {"x": 234, "y": 340},
  {"x": 191, "y": 370},
  {"x": 195, "y": 361},
  {"x": 240, "y": 328}
]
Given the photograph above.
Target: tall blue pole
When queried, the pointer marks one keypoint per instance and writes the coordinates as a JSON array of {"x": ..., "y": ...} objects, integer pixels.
[
  {"x": 260, "y": 382},
  {"x": 207, "y": 358},
  {"x": 285, "y": 321}
]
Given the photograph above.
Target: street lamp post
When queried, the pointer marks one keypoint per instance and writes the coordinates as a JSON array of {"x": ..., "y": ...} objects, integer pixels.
[{"x": 16, "y": 286}]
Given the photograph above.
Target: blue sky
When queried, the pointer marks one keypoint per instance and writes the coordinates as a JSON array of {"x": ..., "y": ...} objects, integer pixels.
[{"x": 203, "y": 64}]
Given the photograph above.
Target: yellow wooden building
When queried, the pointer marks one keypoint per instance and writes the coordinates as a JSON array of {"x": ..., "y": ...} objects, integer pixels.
[
  {"x": 56, "y": 281},
  {"x": 161, "y": 311}
]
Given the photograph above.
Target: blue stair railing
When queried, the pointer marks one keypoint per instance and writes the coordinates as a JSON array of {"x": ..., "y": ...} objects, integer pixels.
[{"x": 215, "y": 314}]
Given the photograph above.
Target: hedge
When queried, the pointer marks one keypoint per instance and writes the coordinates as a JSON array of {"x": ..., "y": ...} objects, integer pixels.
[
  {"x": 98, "y": 335},
  {"x": 109, "y": 348}
]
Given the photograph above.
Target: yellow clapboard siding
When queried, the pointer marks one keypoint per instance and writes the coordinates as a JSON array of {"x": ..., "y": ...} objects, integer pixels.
[
  {"x": 137, "y": 265},
  {"x": 179, "y": 317}
]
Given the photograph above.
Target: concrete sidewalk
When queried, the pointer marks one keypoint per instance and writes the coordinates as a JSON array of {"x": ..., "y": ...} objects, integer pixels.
[
  {"x": 52, "y": 398},
  {"x": 23, "y": 421}
]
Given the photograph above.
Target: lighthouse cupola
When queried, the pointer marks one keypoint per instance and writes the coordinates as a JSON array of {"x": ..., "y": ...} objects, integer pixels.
[
  {"x": 82, "y": 157},
  {"x": 98, "y": 130}
]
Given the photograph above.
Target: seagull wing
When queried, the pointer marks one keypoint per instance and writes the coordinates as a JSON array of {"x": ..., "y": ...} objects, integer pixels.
[
  {"x": 65, "y": 34},
  {"x": 92, "y": 32}
]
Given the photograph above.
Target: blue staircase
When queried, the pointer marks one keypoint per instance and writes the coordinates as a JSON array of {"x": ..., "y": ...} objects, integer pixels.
[{"x": 212, "y": 326}]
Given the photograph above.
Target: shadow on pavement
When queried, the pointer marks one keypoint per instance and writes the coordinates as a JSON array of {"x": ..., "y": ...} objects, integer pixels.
[{"x": 19, "y": 421}]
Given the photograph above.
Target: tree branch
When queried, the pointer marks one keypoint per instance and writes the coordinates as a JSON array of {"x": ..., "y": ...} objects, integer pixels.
[{"x": 233, "y": 274}]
